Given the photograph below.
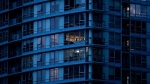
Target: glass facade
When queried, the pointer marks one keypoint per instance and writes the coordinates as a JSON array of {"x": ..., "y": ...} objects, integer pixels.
[{"x": 74, "y": 42}]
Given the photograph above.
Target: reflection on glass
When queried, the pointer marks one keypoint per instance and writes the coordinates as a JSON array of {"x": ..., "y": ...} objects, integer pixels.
[
  {"x": 54, "y": 40},
  {"x": 74, "y": 54},
  {"x": 138, "y": 10},
  {"x": 132, "y": 9}
]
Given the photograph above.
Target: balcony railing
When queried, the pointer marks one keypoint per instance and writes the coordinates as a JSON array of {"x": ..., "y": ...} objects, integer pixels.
[
  {"x": 55, "y": 45},
  {"x": 68, "y": 61}
]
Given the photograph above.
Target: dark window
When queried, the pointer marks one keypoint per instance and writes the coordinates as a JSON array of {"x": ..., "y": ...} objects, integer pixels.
[
  {"x": 114, "y": 73},
  {"x": 54, "y": 23},
  {"x": 28, "y": 12},
  {"x": 74, "y": 72},
  {"x": 73, "y": 4},
  {"x": 27, "y": 62},
  {"x": 114, "y": 5},
  {"x": 114, "y": 38},
  {"x": 27, "y": 45},
  {"x": 3, "y": 67},
  {"x": 74, "y": 20},
  {"x": 28, "y": 29},
  {"x": 74, "y": 54},
  {"x": 4, "y": 35},
  {"x": 114, "y": 56}
]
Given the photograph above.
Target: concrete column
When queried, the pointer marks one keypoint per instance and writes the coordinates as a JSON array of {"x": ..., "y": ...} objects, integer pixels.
[
  {"x": 47, "y": 41},
  {"x": 106, "y": 4},
  {"x": 90, "y": 71},
  {"x": 48, "y": 24},
  {"x": 35, "y": 10},
  {"x": 34, "y": 77},
  {"x": 35, "y": 44},
  {"x": 61, "y": 22},
  {"x": 61, "y": 56},
  {"x": 148, "y": 76},
  {"x": 90, "y": 19},
  {"x": 35, "y": 27},
  {"x": 61, "y": 73},
  {"x": 90, "y": 4},
  {"x": 47, "y": 75},
  {"x": 61, "y": 6},
  {"x": 34, "y": 60},
  {"x": 61, "y": 39},
  {"x": 48, "y": 8},
  {"x": 47, "y": 58}
]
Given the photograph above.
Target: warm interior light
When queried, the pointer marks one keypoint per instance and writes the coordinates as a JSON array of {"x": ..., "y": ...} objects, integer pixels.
[{"x": 128, "y": 9}]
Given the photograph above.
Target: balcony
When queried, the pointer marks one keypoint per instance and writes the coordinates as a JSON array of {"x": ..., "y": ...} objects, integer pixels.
[
  {"x": 14, "y": 66},
  {"x": 14, "y": 37},
  {"x": 15, "y": 4}
]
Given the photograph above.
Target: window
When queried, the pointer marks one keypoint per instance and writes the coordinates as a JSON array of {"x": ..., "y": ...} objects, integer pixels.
[
  {"x": 138, "y": 60},
  {"x": 27, "y": 77},
  {"x": 74, "y": 20},
  {"x": 138, "y": 27},
  {"x": 4, "y": 19},
  {"x": 27, "y": 29},
  {"x": 114, "y": 56},
  {"x": 41, "y": 75},
  {"x": 26, "y": 1},
  {"x": 28, "y": 12},
  {"x": 54, "y": 23},
  {"x": 41, "y": 42},
  {"x": 97, "y": 20},
  {"x": 114, "y": 21},
  {"x": 3, "y": 67},
  {"x": 41, "y": 59},
  {"x": 41, "y": 26},
  {"x": 97, "y": 37},
  {"x": 114, "y": 5},
  {"x": 97, "y": 54},
  {"x": 3, "y": 35},
  {"x": 54, "y": 74},
  {"x": 69, "y": 5},
  {"x": 71, "y": 72},
  {"x": 4, "y": 81},
  {"x": 41, "y": 9},
  {"x": 138, "y": 44},
  {"x": 114, "y": 38},
  {"x": 98, "y": 4},
  {"x": 54, "y": 40},
  {"x": 74, "y": 54},
  {"x": 74, "y": 37},
  {"x": 138, "y": 10},
  {"x": 54, "y": 57},
  {"x": 27, "y": 45},
  {"x": 97, "y": 72},
  {"x": 27, "y": 62},
  {"x": 3, "y": 51},
  {"x": 54, "y": 6},
  {"x": 114, "y": 73},
  {"x": 138, "y": 77}
]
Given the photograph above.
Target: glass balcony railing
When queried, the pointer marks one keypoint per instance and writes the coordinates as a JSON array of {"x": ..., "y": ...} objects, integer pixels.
[
  {"x": 65, "y": 44},
  {"x": 66, "y": 61}
]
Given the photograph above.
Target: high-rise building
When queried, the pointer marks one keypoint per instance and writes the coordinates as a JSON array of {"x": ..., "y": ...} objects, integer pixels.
[{"x": 74, "y": 41}]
